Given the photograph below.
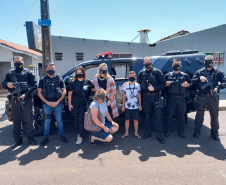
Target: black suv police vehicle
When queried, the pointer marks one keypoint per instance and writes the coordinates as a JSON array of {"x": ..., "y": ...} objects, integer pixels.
[{"x": 119, "y": 69}]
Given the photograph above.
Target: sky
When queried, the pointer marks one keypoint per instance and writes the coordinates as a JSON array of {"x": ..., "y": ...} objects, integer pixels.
[{"x": 115, "y": 20}]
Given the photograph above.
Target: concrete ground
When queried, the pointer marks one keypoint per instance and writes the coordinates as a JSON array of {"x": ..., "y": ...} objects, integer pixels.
[{"x": 124, "y": 161}]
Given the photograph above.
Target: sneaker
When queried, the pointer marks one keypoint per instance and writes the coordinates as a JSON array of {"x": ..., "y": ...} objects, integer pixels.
[
  {"x": 31, "y": 141},
  {"x": 79, "y": 140},
  {"x": 44, "y": 141},
  {"x": 63, "y": 139}
]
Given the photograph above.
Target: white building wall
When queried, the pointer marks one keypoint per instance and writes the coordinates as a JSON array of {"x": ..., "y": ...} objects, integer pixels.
[
  {"x": 6, "y": 55},
  {"x": 70, "y": 46},
  {"x": 209, "y": 40}
]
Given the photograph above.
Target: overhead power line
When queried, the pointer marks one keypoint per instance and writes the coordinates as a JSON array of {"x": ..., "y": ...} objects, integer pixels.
[
  {"x": 19, "y": 15},
  {"x": 31, "y": 7}
]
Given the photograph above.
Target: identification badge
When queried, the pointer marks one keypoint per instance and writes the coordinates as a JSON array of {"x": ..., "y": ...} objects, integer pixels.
[{"x": 85, "y": 87}]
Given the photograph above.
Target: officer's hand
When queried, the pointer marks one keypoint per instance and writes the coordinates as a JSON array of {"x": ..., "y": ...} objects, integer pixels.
[
  {"x": 150, "y": 88},
  {"x": 22, "y": 96},
  {"x": 54, "y": 104},
  {"x": 168, "y": 83},
  {"x": 123, "y": 109},
  {"x": 70, "y": 107},
  {"x": 140, "y": 108},
  {"x": 185, "y": 84},
  {"x": 215, "y": 90},
  {"x": 203, "y": 79},
  {"x": 10, "y": 85}
]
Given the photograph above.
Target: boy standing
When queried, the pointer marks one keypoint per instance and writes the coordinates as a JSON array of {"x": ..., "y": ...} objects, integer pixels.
[{"x": 131, "y": 100}]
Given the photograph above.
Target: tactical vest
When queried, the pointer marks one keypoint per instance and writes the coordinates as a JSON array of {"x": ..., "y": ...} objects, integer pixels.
[
  {"x": 175, "y": 87},
  {"x": 21, "y": 78},
  {"x": 148, "y": 78},
  {"x": 51, "y": 88}
]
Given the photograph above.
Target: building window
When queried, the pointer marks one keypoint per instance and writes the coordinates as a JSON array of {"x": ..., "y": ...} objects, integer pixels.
[
  {"x": 59, "y": 56},
  {"x": 79, "y": 56}
]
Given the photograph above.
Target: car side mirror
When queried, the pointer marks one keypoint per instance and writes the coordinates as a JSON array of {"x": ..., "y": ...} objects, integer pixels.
[{"x": 67, "y": 81}]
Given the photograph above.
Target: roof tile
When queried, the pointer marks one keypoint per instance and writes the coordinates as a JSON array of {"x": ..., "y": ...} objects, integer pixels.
[{"x": 20, "y": 47}]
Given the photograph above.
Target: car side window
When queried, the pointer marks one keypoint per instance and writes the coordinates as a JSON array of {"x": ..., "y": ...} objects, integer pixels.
[
  {"x": 120, "y": 71},
  {"x": 91, "y": 71}
]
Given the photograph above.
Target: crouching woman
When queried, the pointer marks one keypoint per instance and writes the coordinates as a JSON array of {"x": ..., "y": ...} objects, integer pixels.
[{"x": 108, "y": 126}]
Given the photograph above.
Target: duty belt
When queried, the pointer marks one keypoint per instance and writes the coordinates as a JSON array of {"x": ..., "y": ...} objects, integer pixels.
[
  {"x": 151, "y": 94},
  {"x": 177, "y": 96},
  {"x": 205, "y": 94}
]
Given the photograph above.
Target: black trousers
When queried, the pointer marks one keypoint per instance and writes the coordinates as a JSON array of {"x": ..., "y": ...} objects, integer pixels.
[
  {"x": 210, "y": 102},
  {"x": 79, "y": 113},
  {"x": 177, "y": 107},
  {"x": 19, "y": 115},
  {"x": 152, "y": 112}
]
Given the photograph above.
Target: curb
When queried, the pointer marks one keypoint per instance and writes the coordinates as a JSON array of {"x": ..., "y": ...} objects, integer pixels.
[{"x": 223, "y": 108}]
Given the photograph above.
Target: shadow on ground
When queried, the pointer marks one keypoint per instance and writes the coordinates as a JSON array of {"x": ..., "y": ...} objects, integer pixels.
[{"x": 146, "y": 148}]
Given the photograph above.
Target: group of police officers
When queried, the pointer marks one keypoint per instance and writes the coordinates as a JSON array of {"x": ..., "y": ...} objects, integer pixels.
[{"x": 207, "y": 82}]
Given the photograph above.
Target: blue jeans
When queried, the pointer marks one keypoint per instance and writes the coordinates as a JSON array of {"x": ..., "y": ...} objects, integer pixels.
[{"x": 58, "y": 116}]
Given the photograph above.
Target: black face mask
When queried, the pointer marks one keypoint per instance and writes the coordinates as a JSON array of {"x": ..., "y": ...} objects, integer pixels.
[
  {"x": 103, "y": 71},
  {"x": 176, "y": 67},
  {"x": 131, "y": 79},
  {"x": 51, "y": 72},
  {"x": 19, "y": 65},
  {"x": 208, "y": 63},
  {"x": 148, "y": 66},
  {"x": 101, "y": 96},
  {"x": 79, "y": 75}
]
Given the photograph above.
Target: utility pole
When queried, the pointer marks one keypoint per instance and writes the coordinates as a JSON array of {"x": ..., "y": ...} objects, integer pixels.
[{"x": 46, "y": 35}]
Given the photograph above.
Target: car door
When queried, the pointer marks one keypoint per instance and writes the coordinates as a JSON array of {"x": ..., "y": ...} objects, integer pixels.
[{"x": 119, "y": 71}]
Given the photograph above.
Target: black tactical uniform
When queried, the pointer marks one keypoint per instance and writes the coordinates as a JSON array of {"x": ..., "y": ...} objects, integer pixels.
[
  {"x": 22, "y": 110},
  {"x": 51, "y": 87},
  {"x": 176, "y": 104},
  {"x": 205, "y": 99},
  {"x": 151, "y": 100}
]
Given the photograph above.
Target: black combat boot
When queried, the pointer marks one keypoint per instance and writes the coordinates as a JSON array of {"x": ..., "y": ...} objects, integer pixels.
[
  {"x": 216, "y": 137},
  {"x": 146, "y": 135},
  {"x": 196, "y": 134},
  {"x": 31, "y": 141},
  {"x": 16, "y": 143},
  {"x": 181, "y": 134},
  {"x": 160, "y": 138}
]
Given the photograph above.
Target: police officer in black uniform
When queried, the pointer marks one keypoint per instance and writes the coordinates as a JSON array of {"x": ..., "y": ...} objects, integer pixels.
[
  {"x": 152, "y": 82},
  {"x": 177, "y": 83},
  {"x": 51, "y": 90},
  {"x": 21, "y": 82},
  {"x": 208, "y": 97}
]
